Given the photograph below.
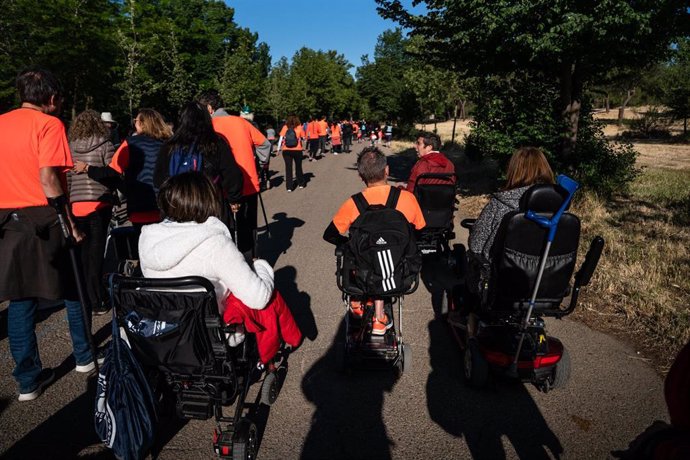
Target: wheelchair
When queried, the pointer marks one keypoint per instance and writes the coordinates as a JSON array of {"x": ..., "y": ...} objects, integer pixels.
[
  {"x": 362, "y": 349},
  {"x": 437, "y": 201},
  {"x": 500, "y": 327},
  {"x": 174, "y": 329}
]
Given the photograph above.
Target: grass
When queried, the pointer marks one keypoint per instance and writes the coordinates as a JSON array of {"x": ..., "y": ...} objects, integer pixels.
[{"x": 641, "y": 287}]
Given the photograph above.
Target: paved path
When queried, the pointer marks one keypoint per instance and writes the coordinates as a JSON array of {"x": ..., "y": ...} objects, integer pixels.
[{"x": 427, "y": 413}]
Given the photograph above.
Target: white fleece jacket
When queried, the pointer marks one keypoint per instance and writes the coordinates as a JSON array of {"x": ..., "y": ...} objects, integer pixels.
[{"x": 174, "y": 249}]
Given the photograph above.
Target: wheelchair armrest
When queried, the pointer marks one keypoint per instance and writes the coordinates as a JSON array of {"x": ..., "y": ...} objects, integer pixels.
[
  {"x": 468, "y": 223},
  {"x": 584, "y": 274}
]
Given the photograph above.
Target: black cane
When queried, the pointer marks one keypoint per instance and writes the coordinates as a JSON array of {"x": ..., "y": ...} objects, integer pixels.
[
  {"x": 59, "y": 203},
  {"x": 263, "y": 210}
]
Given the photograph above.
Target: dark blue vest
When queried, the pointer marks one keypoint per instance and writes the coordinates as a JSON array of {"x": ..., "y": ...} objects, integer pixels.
[{"x": 139, "y": 188}]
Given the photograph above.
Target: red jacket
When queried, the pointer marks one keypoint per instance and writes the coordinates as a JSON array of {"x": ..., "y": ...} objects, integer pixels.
[
  {"x": 271, "y": 324},
  {"x": 432, "y": 162}
]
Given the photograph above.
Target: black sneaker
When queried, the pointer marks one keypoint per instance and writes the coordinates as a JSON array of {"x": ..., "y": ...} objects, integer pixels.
[
  {"x": 101, "y": 309},
  {"x": 44, "y": 379}
]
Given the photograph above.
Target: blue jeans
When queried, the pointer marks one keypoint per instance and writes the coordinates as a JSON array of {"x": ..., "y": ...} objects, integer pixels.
[{"x": 21, "y": 330}]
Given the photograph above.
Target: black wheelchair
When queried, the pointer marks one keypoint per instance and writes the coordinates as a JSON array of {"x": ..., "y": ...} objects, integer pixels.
[
  {"x": 362, "y": 349},
  {"x": 498, "y": 318},
  {"x": 435, "y": 193},
  {"x": 175, "y": 331}
]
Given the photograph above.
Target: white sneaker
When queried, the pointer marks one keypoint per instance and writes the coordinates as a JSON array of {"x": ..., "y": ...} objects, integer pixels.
[
  {"x": 89, "y": 367},
  {"x": 44, "y": 379}
]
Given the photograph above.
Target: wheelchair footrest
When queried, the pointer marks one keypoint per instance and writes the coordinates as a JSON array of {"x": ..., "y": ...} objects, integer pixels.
[{"x": 194, "y": 405}]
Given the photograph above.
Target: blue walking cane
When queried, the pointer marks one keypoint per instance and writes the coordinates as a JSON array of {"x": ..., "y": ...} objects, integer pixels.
[{"x": 552, "y": 224}]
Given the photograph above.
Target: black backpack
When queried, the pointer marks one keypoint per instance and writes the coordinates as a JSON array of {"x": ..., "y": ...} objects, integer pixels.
[
  {"x": 291, "y": 138},
  {"x": 382, "y": 251}
]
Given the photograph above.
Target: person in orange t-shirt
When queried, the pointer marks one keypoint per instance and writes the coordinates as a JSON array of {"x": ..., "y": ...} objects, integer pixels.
[
  {"x": 336, "y": 138},
  {"x": 292, "y": 153},
  {"x": 34, "y": 261},
  {"x": 373, "y": 170},
  {"x": 245, "y": 141},
  {"x": 313, "y": 138},
  {"x": 322, "y": 129}
]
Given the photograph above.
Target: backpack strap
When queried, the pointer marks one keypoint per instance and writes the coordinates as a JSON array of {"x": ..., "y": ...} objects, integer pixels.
[
  {"x": 393, "y": 196},
  {"x": 360, "y": 202}
]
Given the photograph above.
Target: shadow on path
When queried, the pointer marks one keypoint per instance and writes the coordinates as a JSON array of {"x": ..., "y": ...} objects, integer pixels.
[
  {"x": 298, "y": 302},
  {"x": 489, "y": 418},
  {"x": 348, "y": 421},
  {"x": 282, "y": 229}
]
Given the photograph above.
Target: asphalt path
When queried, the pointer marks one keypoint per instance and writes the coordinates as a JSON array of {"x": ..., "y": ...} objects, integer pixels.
[{"x": 429, "y": 412}]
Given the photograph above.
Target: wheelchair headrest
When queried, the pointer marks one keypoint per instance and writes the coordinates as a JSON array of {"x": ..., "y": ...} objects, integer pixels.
[{"x": 543, "y": 198}]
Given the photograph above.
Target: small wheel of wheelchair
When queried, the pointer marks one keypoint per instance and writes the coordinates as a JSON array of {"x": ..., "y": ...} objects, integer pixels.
[
  {"x": 476, "y": 367},
  {"x": 269, "y": 389},
  {"x": 245, "y": 441},
  {"x": 561, "y": 371},
  {"x": 405, "y": 359}
]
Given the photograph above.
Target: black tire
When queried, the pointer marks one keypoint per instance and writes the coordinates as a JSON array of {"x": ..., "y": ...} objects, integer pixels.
[
  {"x": 245, "y": 440},
  {"x": 561, "y": 372},
  {"x": 475, "y": 366},
  {"x": 404, "y": 363},
  {"x": 269, "y": 389}
]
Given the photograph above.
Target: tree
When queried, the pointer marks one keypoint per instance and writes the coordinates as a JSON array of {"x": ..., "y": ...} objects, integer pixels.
[
  {"x": 675, "y": 83},
  {"x": 380, "y": 82},
  {"x": 567, "y": 44}
]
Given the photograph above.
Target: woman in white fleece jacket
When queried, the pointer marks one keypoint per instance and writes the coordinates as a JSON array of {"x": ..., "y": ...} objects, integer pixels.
[{"x": 191, "y": 241}]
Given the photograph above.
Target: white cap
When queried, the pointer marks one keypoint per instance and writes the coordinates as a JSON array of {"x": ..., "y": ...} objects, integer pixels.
[{"x": 107, "y": 117}]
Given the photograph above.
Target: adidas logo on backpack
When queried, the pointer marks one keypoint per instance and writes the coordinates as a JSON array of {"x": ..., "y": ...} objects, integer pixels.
[{"x": 381, "y": 241}]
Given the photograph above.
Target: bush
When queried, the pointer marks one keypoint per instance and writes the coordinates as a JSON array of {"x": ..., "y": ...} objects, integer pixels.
[{"x": 654, "y": 124}]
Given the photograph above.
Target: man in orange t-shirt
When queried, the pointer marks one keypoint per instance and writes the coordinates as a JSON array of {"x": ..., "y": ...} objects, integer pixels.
[
  {"x": 34, "y": 264},
  {"x": 373, "y": 170},
  {"x": 313, "y": 138},
  {"x": 245, "y": 141},
  {"x": 322, "y": 129}
]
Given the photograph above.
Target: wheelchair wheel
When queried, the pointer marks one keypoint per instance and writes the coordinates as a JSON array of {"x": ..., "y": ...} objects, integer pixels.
[
  {"x": 405, "y": 360},
  {"x": 561, "y": 372},
  {"x": 476, "y": 367},
  {"x": 245, "y": 440},
  {"x": 269, "y": 389}
]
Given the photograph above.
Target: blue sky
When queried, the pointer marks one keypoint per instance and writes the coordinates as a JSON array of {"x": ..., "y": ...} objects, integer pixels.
[{"x": 349, "y": 27}]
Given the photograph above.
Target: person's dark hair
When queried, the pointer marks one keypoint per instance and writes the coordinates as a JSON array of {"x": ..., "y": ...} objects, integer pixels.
[
  {"x": 194, "y": 127},
  {"x": 371, "y": 165},
  {"x": 211, "y": 97},
  {"x": 432, "y": 139},
  {"x": 292, "y": 121},
  {"x": 88, "y": 124},
  {"x": 528, "y": 166},
  {"x": 188, "y": 197},
  {"x": 37, "y": 86}
]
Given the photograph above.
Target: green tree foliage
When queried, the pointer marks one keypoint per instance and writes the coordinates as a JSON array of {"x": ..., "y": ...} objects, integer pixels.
[
  {"x": 675, "y": 83},
  {"x": 245, "y": 69},
  {"x": 382, "y": 83}
]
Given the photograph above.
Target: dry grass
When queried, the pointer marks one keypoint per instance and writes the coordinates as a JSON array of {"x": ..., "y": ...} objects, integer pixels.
[{"x": 641, "y": 287}]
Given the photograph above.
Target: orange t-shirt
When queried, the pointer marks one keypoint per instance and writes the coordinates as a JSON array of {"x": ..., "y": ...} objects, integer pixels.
[
  {"x": 300, "y": 135},
  {"x": 242, "y": 137},
  {"x": 120, "y": 160},
  {"x": 407, "y": 204},
  {"x": 30, "y": 140},
  {"x": 322, "y": 127},
  {"x": 335, "y": 131},
  {"x": 84, "y": 208},
  {"x": 312, "y": 130}
]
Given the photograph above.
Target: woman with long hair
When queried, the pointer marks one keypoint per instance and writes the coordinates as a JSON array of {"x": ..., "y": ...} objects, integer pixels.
[
  {"x": 291, "y": 146},
  {"x": 196, "y": 140},
  {"x": 136, "y": 161},
  {"x": 528, "y": 166},
  {"x": 92, "y": 201}
]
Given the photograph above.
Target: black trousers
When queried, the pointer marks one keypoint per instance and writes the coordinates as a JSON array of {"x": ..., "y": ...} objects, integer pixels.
[
  {"x": 347, "y": 142},
  {"x": 313, "y": 147},
  {"x": 95, "y": 228},
  {"x": 322, "y": 144},
  {"x": 246, "y": 225},
  {"x": 291, "y": 156}
]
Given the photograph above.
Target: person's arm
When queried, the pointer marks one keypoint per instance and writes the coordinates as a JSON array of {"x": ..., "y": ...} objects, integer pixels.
[
  {"x": 263, "y": 152},
  {"x": 482, "y": 229},
  {"x": 333, "y": 236},
  {"x": 230, "y": 172},
  {"x": 253, "y": 287},
  {"x": 52, "y": 188}
]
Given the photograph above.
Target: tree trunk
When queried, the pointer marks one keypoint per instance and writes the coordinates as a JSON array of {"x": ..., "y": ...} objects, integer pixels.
[
  {"x": 462, "y": 109},
  {"x": 455, "y": 122},
  {"x": 607, "y": 103},
  {"x": 621, "y": 109},
  {"x": 571, "y": 101}
]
